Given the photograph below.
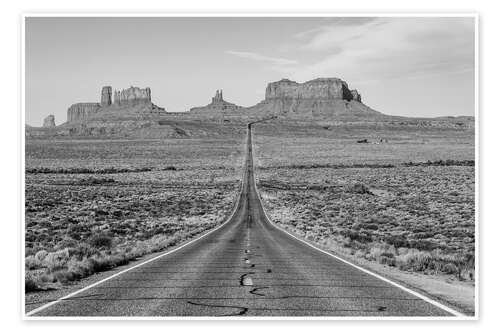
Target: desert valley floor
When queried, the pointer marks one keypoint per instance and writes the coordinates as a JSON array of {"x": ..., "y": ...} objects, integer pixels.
[{"x": 398, "y": 200}]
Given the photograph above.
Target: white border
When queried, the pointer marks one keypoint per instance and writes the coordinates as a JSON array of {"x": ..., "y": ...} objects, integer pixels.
[
  {"x": 267, "y": 13},
  {"x": 476, "y": 167}
]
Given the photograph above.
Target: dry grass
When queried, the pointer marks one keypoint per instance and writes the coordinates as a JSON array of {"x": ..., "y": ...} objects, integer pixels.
[
  {"x": 416, "y": 214},
  {"x": 152, "y": 195}
]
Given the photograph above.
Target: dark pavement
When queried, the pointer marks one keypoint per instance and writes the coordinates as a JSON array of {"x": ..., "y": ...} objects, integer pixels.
[{"x": 247, "y": 267}]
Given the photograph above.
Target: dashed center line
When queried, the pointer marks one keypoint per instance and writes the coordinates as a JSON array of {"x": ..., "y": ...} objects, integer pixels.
[{"x": 247, "y": 281}]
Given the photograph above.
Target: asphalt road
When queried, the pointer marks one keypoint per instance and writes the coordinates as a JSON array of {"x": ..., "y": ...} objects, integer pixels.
[{"x": 247, "y": 267}]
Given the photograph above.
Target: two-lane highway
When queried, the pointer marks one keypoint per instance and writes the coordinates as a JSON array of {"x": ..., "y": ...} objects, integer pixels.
[{"x": 246, "y": 267}]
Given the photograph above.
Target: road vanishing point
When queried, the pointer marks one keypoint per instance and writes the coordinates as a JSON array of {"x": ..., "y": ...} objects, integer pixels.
[{"x": 245, "y": 267}]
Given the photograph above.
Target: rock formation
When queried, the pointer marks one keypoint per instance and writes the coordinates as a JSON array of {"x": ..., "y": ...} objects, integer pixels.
[
  {"x": 80, "y": 111},
  {"x": 318, "y": 98},
  {"x": 218, "y": 97},
  {"x": 106, "y": 96},
  {"x": 130, "y": 102},
  {"x": 132, "y": 95},
  {"x": 218, "y": 105},
  {"x": 356, "y": 96},
  {"x": 315, "y": 89},
  {"x": 116, "y": 98},
  {"x": 49, "y": 121}
]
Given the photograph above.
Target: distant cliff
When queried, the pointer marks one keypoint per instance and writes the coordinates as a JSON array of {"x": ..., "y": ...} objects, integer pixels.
[
  {"x": 318, "y": 98},
  {"x": 81, "y": 111},
  {"x": 331, "y": 88},
  {"x": 132, "y": 95}
]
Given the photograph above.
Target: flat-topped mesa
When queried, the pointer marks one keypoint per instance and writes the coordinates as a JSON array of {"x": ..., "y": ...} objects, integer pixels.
[
  {"x": 132, "y": 95},
  {"x": 218, "y": 104},
  {"x": 322, "y": 98},
  {"x": 49, "y": 121},
  {"x": 81, "y": 111},
  {"x": 131, "y": 102},
  {"x": 322, "y": 88}
]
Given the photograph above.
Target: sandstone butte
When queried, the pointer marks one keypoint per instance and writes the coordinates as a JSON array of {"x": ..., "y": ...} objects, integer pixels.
[
  {"x": 127, "y": 102},
  {"x": 49, "y": 121},
  {"x": 218, "y": 104},
  {"x": 323, "y": 98}
]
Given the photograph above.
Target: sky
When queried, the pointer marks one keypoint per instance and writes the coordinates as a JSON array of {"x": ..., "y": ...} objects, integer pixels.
[{"x": 401, "y": 66}]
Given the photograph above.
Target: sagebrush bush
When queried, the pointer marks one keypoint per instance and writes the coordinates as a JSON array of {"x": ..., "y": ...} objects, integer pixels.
[
  {"x": 31, "y": 262},
  {"x": 40, "y": 255},
  {"x": 414, "y": 261},
  {"x": 450, "y": 268},
  {"x": 56, "y": 260},
  {"x": 385, "y": 260},
  {"x": 360, "y": 189},
  {"x": 83, "y": 250},
  {"x": 31, "y": 282},
  {"x": 80, "y": 268},
  {"x": 63, "y": 276},
  {"x": 66, "y": 243},
  {"x": 101, "y": 241}
]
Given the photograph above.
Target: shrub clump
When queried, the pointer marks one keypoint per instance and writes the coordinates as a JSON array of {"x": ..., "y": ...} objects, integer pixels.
[
  {"x": 31, "y": 282},
  {"x": 360, "y": 188},
  {"x": 71, "y": 264},
  {"x": 101, "y": 241}
]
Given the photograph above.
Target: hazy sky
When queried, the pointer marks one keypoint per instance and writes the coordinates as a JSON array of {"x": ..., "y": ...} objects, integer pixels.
[{"x": 401, "y": 66}]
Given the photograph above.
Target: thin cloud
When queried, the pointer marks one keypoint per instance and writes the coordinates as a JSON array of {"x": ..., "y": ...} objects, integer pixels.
[
  {"x": 338, "y": 23},
  {"x": 389, "y": 48},
  {"x": 259, "y": 57}
]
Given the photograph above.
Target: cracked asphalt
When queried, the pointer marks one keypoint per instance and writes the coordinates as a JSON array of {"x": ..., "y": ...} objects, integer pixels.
[{"x": 247, "y": 267}]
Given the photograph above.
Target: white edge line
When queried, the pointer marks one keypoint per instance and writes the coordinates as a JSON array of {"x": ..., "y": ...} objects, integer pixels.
[
  {"x": 235, "y": 209},
  {"x": 414, "y": 293}
]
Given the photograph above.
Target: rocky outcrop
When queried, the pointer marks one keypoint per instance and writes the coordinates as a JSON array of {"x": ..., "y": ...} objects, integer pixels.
[
  {"x": 218, "y": 97},
  {"x": 132, "y": 95},
  {"x": 318, "y": 98},
  {"x": 49, "y": 121},
  {"x": 106, "y": 96},
  {"x": 218, "y": 105},
  {"x": 331, "y": 88},
  {"x": 130, "y": 102},
  {"x": 356, "y": 96},
  {"x": 80, "y": 111}
]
